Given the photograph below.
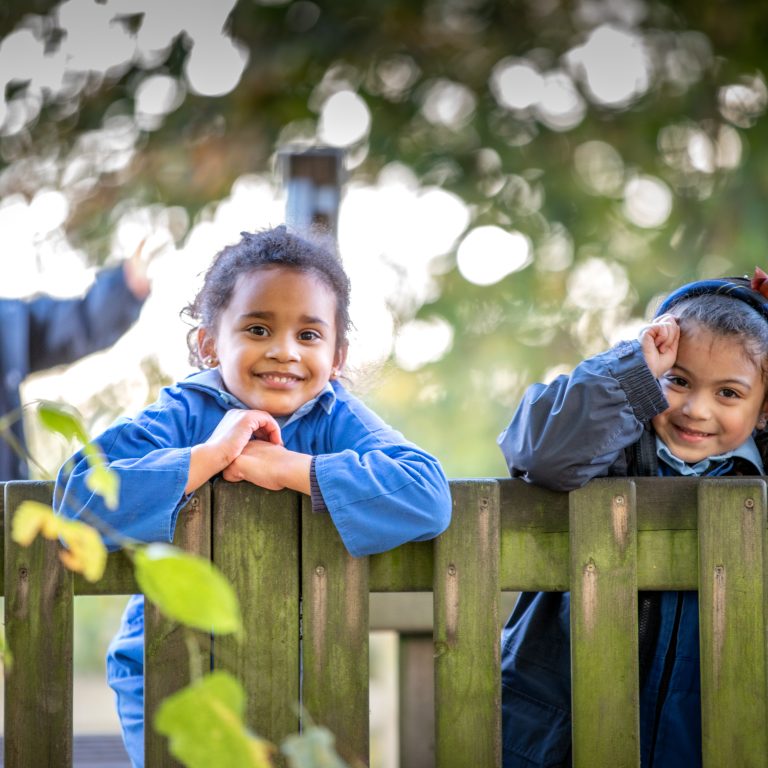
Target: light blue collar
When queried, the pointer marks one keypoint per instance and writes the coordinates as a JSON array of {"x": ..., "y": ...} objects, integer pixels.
[
  {"x": 747, "y": 450},
  {"x": 211, "y": 380}
]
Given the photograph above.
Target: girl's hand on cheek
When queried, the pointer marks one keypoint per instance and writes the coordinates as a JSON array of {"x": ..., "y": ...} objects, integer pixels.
[{"x": 659, "y": 342}]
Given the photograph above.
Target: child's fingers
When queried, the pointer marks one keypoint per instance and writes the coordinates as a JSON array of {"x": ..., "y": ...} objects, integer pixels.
[
  {"x": 267, "y": 428},
  {"x": 664, "y": 332}
]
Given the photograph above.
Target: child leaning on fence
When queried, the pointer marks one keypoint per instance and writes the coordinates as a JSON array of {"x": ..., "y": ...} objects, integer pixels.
[
  {"x": 687, "y": 398},
  {"x": 268, "y": 408}
]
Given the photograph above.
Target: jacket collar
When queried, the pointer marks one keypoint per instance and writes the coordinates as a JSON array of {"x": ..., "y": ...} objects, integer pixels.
[{"x": 210, "y": 381}]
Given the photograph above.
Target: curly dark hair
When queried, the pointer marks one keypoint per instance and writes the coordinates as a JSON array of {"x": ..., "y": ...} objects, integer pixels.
[{"x": 264, "y": 250}]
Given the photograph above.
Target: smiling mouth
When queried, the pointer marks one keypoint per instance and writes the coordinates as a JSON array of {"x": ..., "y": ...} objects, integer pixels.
[
  {"x": 280, "y": 379},
  {"x": 691, "y": 434}
]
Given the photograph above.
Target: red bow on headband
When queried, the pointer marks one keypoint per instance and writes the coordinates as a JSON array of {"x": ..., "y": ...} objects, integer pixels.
[{"x": 759, "y": 282}]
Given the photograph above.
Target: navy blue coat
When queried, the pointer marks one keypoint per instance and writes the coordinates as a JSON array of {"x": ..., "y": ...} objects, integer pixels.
[
  {"x": 562, "y": 435},
  {"x": 39, "y": 333}
]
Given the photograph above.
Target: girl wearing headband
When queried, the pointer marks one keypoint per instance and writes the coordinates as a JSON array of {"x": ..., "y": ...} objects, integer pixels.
[{"x": 687, "y": 397}]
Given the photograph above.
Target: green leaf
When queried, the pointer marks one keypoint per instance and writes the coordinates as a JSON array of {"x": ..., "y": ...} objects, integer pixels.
[
  {"x": 187, "y": 588},
  {"x": 312, "y": 749},
  {"x": 204, "y": 724},
  {"x": 56, "y": 418}
]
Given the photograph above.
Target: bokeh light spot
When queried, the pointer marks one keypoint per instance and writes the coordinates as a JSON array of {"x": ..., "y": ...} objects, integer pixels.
[
  {"x": 344, "y": 120},
  {"x": 489, "y": 253}
]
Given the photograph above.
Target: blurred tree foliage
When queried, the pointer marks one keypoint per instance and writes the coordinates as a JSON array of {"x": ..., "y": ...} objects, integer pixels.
[{"x": 640, "y": 163}]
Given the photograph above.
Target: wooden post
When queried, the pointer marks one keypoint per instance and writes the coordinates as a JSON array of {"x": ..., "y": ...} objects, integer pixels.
[
  {"x": 604, "y": 637},
  {"x": 256, "y": 540},
  {"x": 167, "y": 666},
  {"x": 466, "y": 633},
  {"x": 732, "y": 522},
  {"x": 39, "y": 604},
  {"x": 335, "y": 643},
  {"x": 312, "y": 179}
]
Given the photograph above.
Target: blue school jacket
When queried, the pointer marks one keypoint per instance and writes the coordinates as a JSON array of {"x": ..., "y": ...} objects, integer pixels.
[
  {"x": 379, "y": 489},
  {"x": 39, "y": 333},
  {"x": 562, "y": 435}
]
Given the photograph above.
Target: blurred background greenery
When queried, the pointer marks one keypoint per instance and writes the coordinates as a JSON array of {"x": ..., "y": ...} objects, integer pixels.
[{"x": 524, "y": 177}]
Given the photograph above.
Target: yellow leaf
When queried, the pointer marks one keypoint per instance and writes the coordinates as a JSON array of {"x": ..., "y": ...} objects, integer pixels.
[
  {"x": 85, "y": 551},
  {"x": 30, "y": 519}
]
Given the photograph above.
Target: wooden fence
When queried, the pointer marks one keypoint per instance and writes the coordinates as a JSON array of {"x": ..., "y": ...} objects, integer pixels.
[{"x": 604, "y": 543}]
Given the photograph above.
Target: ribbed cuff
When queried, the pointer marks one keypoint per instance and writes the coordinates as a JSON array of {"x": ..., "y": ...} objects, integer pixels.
[
  {"x": 315, "y": 494},
  {"x": 635, "y": 378}
]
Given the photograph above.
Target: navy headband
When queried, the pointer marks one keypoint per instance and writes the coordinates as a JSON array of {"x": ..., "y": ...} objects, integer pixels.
[{"x": 736, "y": 287}]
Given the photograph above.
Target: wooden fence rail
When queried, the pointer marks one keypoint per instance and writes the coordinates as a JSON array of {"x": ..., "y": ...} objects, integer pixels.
[{"x": 603, "y": 543}]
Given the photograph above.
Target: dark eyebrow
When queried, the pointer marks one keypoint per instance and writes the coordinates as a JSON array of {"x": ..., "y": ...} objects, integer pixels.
[{"x": 259, "y": 315}]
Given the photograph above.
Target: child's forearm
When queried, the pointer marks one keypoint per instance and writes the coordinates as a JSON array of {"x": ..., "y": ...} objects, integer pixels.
[
  {"x": 294, "y": 471},
  {"x": 205, "y": 461}
]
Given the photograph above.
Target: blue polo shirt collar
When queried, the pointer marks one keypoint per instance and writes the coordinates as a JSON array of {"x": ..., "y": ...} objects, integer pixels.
[{"x": 747, "y": 450}]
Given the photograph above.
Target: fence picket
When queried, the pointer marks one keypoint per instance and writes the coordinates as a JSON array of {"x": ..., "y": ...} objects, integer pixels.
[
  {"x": 335, "y": 645},
  {"x": 167, "y": 662},
  {"x": 732, "y": 522},
  {"x": 466, "y": 631},
  {"x": 604, "y": 638},
  {"x": 39, "y": 605},
  {"x": 256, "y": 537}
]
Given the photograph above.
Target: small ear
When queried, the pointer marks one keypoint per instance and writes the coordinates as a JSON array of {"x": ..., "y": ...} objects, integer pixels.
[
  {"x": 340, "y": 358},
  {"x": 206, "y": 344}
]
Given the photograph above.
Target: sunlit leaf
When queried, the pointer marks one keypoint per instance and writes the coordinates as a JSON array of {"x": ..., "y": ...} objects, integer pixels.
[
  {"x": 30, "y": 519},
  {"x": 312, "y": 749},
  {"x": 85, "y": 551},
  {"x": 102, "y": 480},
  {"x": 187, "y": 588},
  {"x": 204, "y": 725},
  {"x": 57, "y": 418}
]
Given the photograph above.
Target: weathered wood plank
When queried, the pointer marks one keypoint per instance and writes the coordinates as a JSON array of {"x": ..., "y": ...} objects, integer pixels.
[
  {"x": 39, "y": 630},
  {"x": 604, "y": 635},
  {"x": 118, "y": 579},
  {"x": 732, "y": 521},
  {"x": 168, "y": 666},
  {"x": 408, "y": 568},
  {"x": 467, "y": 665},
  {"x": 256, "y": 546},
  {"x": 335, "y": 647}
]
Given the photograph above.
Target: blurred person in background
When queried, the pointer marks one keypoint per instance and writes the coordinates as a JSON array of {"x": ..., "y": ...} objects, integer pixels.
[{"x": 41, "y": 332}]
